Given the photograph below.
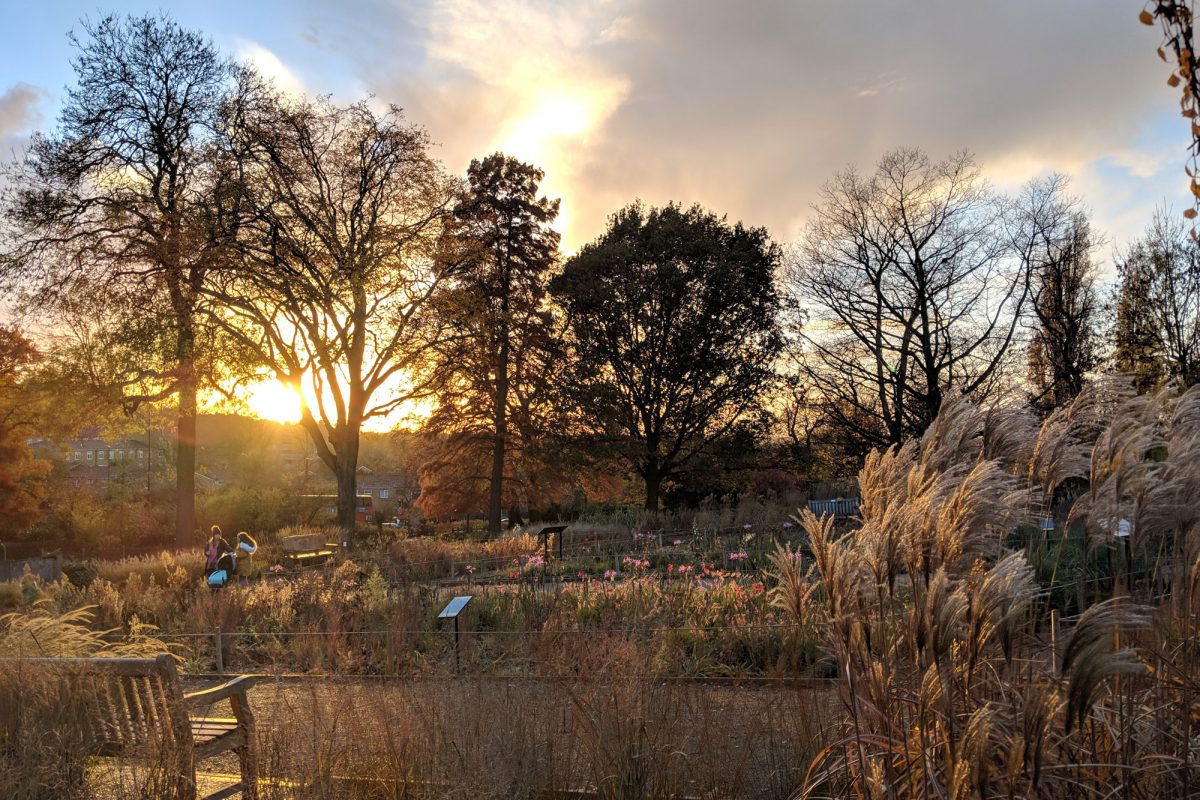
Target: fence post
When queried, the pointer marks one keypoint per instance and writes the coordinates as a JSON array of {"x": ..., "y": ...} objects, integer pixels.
[
  {"x": 1053, "y": 642},
  {"x": 220, "y": 653}
]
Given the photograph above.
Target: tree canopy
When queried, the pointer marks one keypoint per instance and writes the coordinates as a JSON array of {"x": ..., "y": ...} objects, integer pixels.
[
  {"x": 673, "y": 323},
  {"x": 337, "y": 260},
  {"x": 119, "y": 211}
]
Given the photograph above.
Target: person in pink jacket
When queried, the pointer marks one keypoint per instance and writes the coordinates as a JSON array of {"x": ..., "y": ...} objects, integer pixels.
[{"x": 216, "y": 547}]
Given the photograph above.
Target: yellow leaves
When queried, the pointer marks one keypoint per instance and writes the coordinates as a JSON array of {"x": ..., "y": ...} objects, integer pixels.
[
  {"x": 1173, "y": 80},
  {"x": 1195, "y": 188},
  {"x": 1146, "y": 17}
]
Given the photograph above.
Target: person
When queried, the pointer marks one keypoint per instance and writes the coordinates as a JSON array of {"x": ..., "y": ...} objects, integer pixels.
[
  {"x": 226, "y": 568},
  {"x": 216, "y": 547},
  {"x": 246, "y": 547}
]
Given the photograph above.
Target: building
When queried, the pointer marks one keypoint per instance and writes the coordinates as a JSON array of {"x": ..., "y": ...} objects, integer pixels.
[
  {"x": 99, "y": 465},
  {"x": 388, "y": 490}
]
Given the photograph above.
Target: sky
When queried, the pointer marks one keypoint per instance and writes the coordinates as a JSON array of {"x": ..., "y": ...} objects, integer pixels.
[{"x": 744, "y": 107}]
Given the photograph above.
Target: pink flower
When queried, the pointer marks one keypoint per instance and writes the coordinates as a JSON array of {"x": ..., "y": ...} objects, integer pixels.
[
  {"x": 470, "y": 568},
  {"x": 787, "y": 525},
  {"x": 678, "y": 542},
  {"x": 738, "y": 556},
  {"x": 610, "y": 574},
  {"x": 748, "y": 526},
  {"x": 277, "y": 568},
  {"x": 686, "y": 569}
]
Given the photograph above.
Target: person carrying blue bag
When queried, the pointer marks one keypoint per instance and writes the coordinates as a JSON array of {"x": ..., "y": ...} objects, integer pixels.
[
  {"x": 246, "y": 547},
  {"x": 219, "y": 561}
]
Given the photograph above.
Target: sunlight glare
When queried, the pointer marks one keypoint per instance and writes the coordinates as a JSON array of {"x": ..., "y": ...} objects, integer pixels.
[
  {"x": 558, "y": 115},
  {"x": 273, "y": 401}
]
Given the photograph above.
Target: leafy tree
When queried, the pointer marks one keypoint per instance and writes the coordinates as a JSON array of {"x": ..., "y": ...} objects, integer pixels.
[
  {"x": 341, "y": 212},
  {"x": 1157, "y": 335},
  {"x": 22, "y": 477},
  {"x": 115, "y": 212},
  {"x": 498, "y": 363},
  {"x": 673, "y": 323},
  {"x": 916, "y": 281}
]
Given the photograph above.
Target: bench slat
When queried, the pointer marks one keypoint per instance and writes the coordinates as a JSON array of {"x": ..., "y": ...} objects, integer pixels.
[{"x": 138, "y": 702}]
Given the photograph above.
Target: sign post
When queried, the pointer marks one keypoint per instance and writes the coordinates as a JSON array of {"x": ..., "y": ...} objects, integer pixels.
[{"x": 451, "y": 611}]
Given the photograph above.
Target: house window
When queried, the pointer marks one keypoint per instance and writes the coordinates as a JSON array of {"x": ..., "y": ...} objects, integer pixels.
[
  {"x": 141, "y": 453},
  {"x": 384, "y": 494},
  {"x": 78, "y": 456},
  {"x": 112, "y": 455},
  {"x": 91, "y": 455}
]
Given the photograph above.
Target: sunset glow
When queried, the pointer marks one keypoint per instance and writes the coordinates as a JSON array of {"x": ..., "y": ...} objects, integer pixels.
[{"x": 273, "y": 401}]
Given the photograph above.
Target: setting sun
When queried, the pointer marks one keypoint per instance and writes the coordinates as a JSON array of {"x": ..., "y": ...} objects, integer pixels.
[{"x": 274, "y": 401}]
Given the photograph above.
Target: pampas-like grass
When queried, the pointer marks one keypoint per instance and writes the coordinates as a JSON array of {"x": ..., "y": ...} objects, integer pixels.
[
  {"x": 946, "y": 670},
  {"x": 38, "y": 633},
  {"x": 1092, "y": 654}
]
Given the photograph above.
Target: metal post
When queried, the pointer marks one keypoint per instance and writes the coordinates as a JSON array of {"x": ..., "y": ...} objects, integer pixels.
[
  {"x": 220, "y": 654},
  {"x": 456, "y": 645}
]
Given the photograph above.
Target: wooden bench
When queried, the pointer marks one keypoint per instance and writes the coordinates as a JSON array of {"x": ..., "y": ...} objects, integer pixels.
[
  {"x": 140, "y": 711},
  {"x": 306, "y": 549}
]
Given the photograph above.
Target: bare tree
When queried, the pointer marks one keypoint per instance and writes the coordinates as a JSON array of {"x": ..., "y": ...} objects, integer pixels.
[
  {"x": 914, "y": 286},
  {"x": 341, "y": 216},
  {"x": 120, "y": 207},
  {"x": 1065, "y": 342}
]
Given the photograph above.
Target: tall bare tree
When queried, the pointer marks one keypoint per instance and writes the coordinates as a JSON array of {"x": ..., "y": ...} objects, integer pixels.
[
  {"x": 342, "y": 213},
  {"x": 120, "y": 204},
  {"x": 914, "y": 286},
  {"x": 1058, "y": 241}
]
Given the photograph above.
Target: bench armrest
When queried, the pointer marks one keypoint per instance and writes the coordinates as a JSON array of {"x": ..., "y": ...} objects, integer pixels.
[{"x": 237, "y": 686}]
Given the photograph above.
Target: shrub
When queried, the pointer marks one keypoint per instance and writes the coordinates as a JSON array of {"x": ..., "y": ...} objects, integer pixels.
[{"x": 80, "y": 573}]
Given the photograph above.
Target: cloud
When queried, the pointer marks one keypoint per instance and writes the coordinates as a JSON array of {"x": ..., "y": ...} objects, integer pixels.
[
  {"x": 19, "y": 115},
  {"x": 269, "y": 65},
  {"x": 749, "y": 108},
  {"x": 525, "y": 78}
]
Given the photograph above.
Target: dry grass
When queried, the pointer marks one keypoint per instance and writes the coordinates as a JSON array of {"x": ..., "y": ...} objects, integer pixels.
[
  {"x": 491, "y": 739},
  {"x": 949, "y": 685},
  {"x": 45, "y": 724}
]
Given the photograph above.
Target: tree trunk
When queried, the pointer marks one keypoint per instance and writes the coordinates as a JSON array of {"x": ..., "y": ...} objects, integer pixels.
[
  {"x": 653, "y": 478},
  {"x": 346, "y": 473},
  {"x": 500, "y": 407},
  {"x": 185, "y": 444},
  {"x": 500, "y": 411}
]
